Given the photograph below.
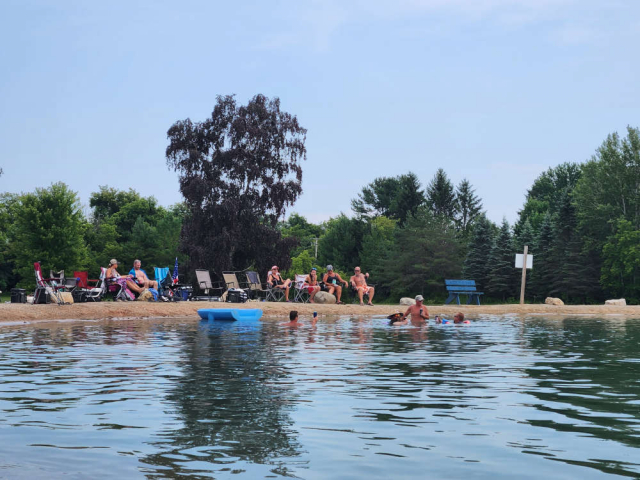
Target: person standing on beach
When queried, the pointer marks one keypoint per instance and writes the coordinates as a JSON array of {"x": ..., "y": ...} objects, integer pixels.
[{"x": 419, "y": 313}]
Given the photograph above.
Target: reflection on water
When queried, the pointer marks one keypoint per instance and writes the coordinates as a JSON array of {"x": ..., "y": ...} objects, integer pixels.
[{"x": 502, "y": 397}]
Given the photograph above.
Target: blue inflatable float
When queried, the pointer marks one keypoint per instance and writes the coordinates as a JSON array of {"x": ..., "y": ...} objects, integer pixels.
[{"x": 230, "y": 314}]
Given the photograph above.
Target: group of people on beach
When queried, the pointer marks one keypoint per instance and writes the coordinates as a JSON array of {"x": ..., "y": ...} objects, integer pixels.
[
  {"x": 331, "y": 283},
  {"x": 136, "y": 282}
]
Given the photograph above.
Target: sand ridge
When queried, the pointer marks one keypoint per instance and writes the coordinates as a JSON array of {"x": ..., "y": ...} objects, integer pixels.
[{"x": 11, "y": 312}]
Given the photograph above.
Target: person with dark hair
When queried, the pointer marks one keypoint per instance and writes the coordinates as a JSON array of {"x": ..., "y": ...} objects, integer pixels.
[
  {"x": 293, "y": 320},
  {"x": 311, "y": 284}
]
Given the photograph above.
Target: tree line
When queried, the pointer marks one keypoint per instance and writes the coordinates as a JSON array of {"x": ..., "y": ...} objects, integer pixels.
[{"x": 240, "y": 170}]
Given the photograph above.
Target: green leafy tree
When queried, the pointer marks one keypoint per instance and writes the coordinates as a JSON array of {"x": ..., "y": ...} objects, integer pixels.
[
  {"x": 441, "y": 197},
  {"x": 477, "y": 264},
  {"x": 621, "y": 266},
  {"x": 425, "y": 252},
  {"x": 392, "y": 197},
  {"x": 469, "y": 206},
  {"x": 8, "y": 278},
  {"x": 609, "y": 187},
  {"x": 238, "y": 170},
  {"x": 545, "y": 194},
  {"x": 340, "y": 245},
  {"x": 502, "y": 277},
  {"x": 48, "y": 227},
  {"x": 306, "y": 233},
  {"x": 377, "y": 242}
]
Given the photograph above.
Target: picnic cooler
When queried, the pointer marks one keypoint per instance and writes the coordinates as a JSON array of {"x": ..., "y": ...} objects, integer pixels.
[
  {"x": 235, "y": 295},
  {"x": 79, "y": 296},
  {"x": 18, "y": 295},
  {"x": 40, "y": 295},
  {"x": 183, "y": 293}
]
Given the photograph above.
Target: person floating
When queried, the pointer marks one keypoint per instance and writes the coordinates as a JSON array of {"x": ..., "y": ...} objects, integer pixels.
[
  {"x": 359, "y": 284},
  {"x": 276, "y": 281},
  {"x": 457, "y": 318},
  {"x": 333, "y": 283}
]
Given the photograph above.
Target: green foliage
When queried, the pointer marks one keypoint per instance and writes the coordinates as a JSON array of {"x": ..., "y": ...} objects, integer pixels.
[
  {"x": 300, "y": 264},
  {"x": 477, "y": 264},
  {"x": 8, "y": 278},
  {"x": 441, "y": 198},
  {"x": 425, "y": 252},
  {"x": 621, "y": 265},
  {"x": 48, "y": 227},
  {"x": 609, "y": 187},
  {"x": 541, "y": 276},
  {"x": 468, "y": 207},
  {"x": 341, "y": 244},
  {"x": 546, "y": 192},
  {"x": 502, "y": 278},
  {"x": 392, "y": 197},
  {"x": 297, "y": 226}
]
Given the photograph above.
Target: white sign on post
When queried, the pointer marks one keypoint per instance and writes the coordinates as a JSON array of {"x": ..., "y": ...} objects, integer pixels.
[{"x": 519, "y": 257}]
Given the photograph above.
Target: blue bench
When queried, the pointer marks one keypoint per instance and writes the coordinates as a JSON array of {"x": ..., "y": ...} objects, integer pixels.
[{"x": 464, "y": 287}]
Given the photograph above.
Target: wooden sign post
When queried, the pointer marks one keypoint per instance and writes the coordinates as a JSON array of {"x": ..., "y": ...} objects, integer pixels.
[{"x": 524, "y": 261}]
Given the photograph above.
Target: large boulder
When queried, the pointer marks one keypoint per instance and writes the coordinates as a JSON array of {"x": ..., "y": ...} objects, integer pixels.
[
  {"x": 324, "y": 297},
  {"x": 619, "y": 301},
  {"x": 553, "y": 301},
  {"x": 407, "y": 301}
]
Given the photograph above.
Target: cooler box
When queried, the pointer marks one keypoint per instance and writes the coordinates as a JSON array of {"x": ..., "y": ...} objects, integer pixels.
[{"x": 18, "y": 295}]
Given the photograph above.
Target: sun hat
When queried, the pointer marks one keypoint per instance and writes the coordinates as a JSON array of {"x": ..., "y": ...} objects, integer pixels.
[
  {"x": 114, "y": 262},
  {"x": 329, "y": 267},
  {"x": 419, "y": 298},
  {"x": 275, "y": 267}
]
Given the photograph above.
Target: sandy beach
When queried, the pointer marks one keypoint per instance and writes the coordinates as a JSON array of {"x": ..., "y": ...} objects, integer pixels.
[{"x": 139, "y": 310}]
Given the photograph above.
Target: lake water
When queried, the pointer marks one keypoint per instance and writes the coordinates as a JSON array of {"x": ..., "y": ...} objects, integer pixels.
[{"x": 350, "y": 399}]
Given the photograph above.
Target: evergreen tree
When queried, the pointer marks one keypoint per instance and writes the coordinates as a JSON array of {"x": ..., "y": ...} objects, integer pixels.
[
  {"x": 477, "y": 264},
  {"x": 469, "y": 206},
  {"x": 340, "y": 245},
  {"x": 441, "y": 198},
  {"x": 501, "y": 277},
  {"x": 542, "y": 274}
]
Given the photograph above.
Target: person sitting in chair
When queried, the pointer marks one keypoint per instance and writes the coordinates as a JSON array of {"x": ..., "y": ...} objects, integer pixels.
[
  {"x": 311, "y": 284},
  {"x": 359, "y": 284},
  {"x": 333, "y": 283},
  {"x": 127, "y": 282},
  {"x": 276, "y": 281},
  {"x": 140, "y": 276}
]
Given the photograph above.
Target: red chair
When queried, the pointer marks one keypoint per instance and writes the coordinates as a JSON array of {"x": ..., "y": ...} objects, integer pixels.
[
  {"x": 48, "y": 285},
  {"x": 84, "y": 280}
]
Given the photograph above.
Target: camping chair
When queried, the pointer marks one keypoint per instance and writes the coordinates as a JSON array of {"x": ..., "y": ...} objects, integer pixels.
[
  {"x": 164, "y": 280},
  {"x": 354, "y": 294},
  {"x": 274, "y": 294},
  {"x": 231, "y": 280},
  {"x": 48, "y": 285},
  {"x": 95, "y": 292},
  {"x": 255, "y": 286},
  {"x": 301, "y": 294},
  {"x": 206, "y": 285},
  {"x": 114, "y": 289}
]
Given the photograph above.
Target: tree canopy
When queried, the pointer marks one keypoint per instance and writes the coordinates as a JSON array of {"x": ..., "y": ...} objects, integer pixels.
[{"x": 238, "y": 171}]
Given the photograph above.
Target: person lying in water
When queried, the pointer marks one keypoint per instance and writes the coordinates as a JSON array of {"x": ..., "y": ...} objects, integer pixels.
[{"x": 457, "y": 318}]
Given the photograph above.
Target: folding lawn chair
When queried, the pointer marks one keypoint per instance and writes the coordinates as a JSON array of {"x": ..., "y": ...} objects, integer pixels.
[
  {"x": 255, "y": 286},
  {"x": 206, "y": 285},
  {"x": 165, "y": 281},
  {"x": 95, "y": 292},
  {"x": 301, "y": 294},
  {"x": 231, "y": 280},
  {"x": 48, "y": 286}
]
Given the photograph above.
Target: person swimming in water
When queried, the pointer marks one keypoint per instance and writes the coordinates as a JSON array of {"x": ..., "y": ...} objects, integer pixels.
[{"x": 457, "y": 318}]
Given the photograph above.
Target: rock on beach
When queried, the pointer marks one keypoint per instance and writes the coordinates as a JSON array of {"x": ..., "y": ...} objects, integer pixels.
[
  {"x": 407, "y": 301},
  {"x": 619, "y": 301},
  {"x": 553, "y": 301},
  {"x": 325, "y": 298}
]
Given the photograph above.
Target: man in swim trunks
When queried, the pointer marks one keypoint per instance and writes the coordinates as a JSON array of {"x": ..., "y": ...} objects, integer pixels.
[
  {"x": 359, "y": 284},
  {"x": 418, "y": 312},
  {"x": 140, "y": 276}
]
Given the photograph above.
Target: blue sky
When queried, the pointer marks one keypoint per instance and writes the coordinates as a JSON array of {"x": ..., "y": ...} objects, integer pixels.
[{"x": 495, "y": 91}]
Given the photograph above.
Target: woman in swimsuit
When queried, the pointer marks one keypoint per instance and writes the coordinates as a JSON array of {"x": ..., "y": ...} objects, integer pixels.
[
  {"x": 276, "y": 281},
  {"x": 333, "y": 282},
  {"x": 311, "y": 284}
]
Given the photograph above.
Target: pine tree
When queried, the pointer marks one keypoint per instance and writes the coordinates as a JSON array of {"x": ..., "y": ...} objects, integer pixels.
[
  {"x": 501, "y": 277},
  {"x": 542, "y": 273},
  {"x": 469, "y": 206},
  {"x": 477, "y": 263},
  {"x": 441, "y": 198}
]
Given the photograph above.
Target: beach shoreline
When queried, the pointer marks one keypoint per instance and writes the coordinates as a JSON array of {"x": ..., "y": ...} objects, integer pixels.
[{"x": 11, "y": 313}]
